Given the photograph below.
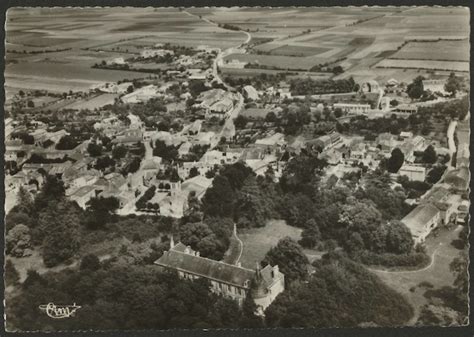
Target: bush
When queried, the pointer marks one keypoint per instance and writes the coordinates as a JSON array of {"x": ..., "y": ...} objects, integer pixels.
[
  {"x": 425, "y": 284},
  {"x": 412, "y": 260}
]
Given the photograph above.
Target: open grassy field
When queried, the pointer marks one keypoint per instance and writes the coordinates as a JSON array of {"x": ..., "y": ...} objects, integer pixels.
[
  {"x": 257, "y": 241},
  {"x": 437, "y": 273}
]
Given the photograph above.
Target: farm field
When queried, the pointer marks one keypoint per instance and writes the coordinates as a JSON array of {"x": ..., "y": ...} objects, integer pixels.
[
  {"x": 424, "y": 64},
  {"x": 357, "y": 40},
  {"x": 281, "y": 62},
  {"x": 251, "y": 72},
  {"x": 59, "y": 77},
  {"x": 297, "y": 51},
  {"x": 257, "y": 241},
  {"x": 438, "y": 50},
  {"x": 93, "y": 103},
  {"x": 76, "y": 30}
]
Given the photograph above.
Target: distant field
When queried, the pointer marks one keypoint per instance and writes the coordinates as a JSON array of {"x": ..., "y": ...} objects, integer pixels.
[
  {"x": 93, "y": 103},
  {"x": 61, "y": 77},
  {"x": 282, "y": 62},
  {"x": 258, "y": 241},
  {"x": 297, "y": 51},
  {"x": 251, "y": 72},
  {"x": 438, "y": 50},
  {"x": 424, "y": 64}
]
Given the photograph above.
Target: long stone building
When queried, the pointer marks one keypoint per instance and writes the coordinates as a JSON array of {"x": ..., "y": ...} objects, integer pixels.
[{"x": 231, "y": 281}]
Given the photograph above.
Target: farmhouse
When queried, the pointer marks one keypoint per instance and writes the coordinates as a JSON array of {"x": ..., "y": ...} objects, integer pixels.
[
  {"x": 141, "y": 95},
  {"x": 458, "y": 179},
  {"x": 151, "y": 167},
  {"x": 204, "y": 138},
  {"x": 357, "y": 109},
  {"x": 250, "y": 92},
  {"x": 273, "y": 141},
  {"x": 235, "y": 64},
  {"x": 197, "y": 74},
  {"x": 197, "y": 184},
  {"x": 129, "y": 137},
  {"x": 406, "y": 109},
  {"x": 82, "y": 195},
  {"x": 202, "y": 167},
  {"x": 216, "y": 102},
  {"x": 148, "y": 53},
  {"x": 434, "y": 86},
  {"x": 422, "y": 220},
  {"x": 255, "y": 113},
  {"x": 116, "y": 60},
  {"x": 413, "y": 172},
  {"x": 230, "y": 281}
]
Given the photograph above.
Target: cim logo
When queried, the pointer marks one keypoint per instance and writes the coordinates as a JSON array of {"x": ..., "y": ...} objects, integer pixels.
[{"x": 59, "y": 311}]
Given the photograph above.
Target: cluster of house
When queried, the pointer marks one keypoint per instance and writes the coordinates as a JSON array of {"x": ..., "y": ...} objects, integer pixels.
[
  {"x": 216, "y": 103},
  {"x": 448, "y": 201},
  {"x": 443, "y": 204}
]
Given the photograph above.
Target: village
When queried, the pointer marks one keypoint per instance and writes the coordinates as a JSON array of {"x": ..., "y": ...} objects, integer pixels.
[
  {"x": 224, "y": 160},
  {"x": 155, "y": 169}
]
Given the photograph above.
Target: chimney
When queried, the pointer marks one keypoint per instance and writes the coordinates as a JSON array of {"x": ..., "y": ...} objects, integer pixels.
[
  {"x": 172, "y": 241},
  {"x": 198, "y": 254},
  {"x": 187, "y": 250}
]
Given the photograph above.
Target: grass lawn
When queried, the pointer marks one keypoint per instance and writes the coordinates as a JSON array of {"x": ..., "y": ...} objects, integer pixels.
[
  {"x": 257, "y": 241},
  {"x": 437, "y": 273}
]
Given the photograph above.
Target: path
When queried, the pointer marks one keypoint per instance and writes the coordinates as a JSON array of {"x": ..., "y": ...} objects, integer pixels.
[
  {"x": 228, "y": 125},
  {"x": 234, "y": 253},
  {"x": 430, "y": 265},
  {"x": 451, "y": 143}
]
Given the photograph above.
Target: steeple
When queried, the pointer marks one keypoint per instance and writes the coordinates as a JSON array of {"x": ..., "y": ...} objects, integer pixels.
[{"x": 258, "y": 274}]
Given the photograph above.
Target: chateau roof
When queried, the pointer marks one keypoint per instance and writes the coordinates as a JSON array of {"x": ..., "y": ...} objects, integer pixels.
[{"x": 176, "y": 258}]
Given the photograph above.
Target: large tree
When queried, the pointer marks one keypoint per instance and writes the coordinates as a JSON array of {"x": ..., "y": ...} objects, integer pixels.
[
  {"x": 339, "y": 293},
  {"x": 360, "y": 216},
  {"x": 415, "y": 89},
  {"x": 59, "y": 228},
  {"x": 94, "y": 150},
  {"x": 66, "y": 142},
  {"x": 289, "y": 257},
  {"x": 429, "y": 155},
  {"x": 219, "y": 198},
  {"x": 453, "y": 84},
  {"x": 398, "y": 238},
  {"x": 395, "y": 162}
]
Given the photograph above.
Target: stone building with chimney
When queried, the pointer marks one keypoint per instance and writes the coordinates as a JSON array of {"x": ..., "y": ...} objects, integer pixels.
[{"x": 231, "y": 281}]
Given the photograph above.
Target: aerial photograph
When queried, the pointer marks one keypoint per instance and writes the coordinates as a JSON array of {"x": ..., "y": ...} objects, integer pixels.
[{"x": 236, "y": 167}]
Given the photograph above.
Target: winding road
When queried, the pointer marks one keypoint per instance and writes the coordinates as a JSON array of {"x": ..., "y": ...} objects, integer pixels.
[{"x": 229, "y": 123}]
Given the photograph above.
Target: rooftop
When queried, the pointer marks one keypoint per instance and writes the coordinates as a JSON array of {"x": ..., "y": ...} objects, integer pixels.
[
  {"x": 177, "y": 258},
  {"x": 417, "y": 219}
]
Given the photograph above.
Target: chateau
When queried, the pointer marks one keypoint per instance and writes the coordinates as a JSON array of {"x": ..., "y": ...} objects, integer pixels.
[{"x": 231, "y": 281}]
